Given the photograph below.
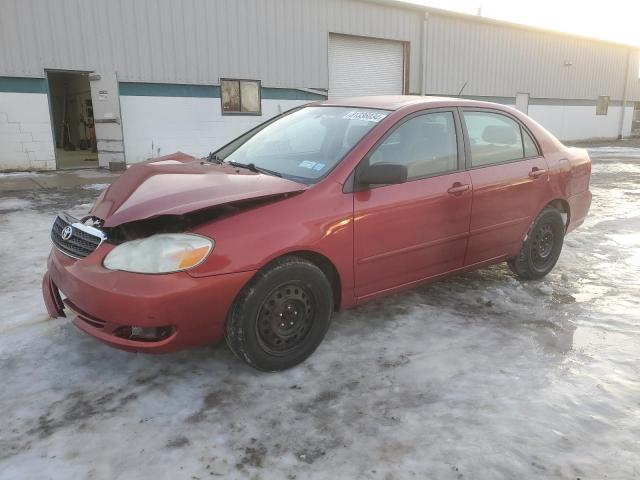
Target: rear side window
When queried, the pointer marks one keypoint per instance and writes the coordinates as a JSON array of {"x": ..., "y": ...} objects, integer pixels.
[
  {"x": 426, "y": 144},
  {"x": 530, "y": 149},
  {"x": 494, "y": 138}
]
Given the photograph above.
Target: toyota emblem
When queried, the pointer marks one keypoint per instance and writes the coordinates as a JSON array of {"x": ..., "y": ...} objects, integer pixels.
[{"x": 67, "y": 232}]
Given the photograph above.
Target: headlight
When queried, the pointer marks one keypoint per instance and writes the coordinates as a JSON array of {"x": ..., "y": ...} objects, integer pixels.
[{"x": 161, "y": 253}]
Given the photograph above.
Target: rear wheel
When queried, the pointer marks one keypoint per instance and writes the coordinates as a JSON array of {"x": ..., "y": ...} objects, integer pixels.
[
  {"x": 281, "y": 317},
  {"x": 541, "y": 250}
]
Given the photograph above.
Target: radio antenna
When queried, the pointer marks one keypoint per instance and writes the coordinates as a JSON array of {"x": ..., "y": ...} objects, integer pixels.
[{"x": 465, "y": 84}]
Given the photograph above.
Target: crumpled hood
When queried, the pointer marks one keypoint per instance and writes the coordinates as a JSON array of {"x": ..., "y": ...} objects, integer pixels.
[{"x": 179, "y": 183}]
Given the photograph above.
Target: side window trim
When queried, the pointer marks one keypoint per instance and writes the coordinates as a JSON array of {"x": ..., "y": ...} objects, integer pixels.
[
  {"x": 525, "y": 131},
  {"x": 459, "y": 146},
  {"x": 463, "y": 156},
  {"x": 467, "y": 144}
]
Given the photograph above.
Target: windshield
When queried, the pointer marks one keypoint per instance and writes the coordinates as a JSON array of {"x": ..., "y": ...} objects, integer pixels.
[{"x": 305, "y": 144}]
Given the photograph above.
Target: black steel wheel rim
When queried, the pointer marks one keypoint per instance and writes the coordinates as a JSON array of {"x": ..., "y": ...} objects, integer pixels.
[
  {"x": 543, "y": 245},
  {"x": 285, "y": 318}
]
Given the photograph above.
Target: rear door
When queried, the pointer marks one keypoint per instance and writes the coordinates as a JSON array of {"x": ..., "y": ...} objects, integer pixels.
[
  {"x": 510, "y": 182},
  {"x": 415, "y": 230}
]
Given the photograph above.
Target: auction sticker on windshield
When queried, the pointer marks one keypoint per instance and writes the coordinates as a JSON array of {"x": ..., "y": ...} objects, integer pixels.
[{"x": 365, "y": 115}]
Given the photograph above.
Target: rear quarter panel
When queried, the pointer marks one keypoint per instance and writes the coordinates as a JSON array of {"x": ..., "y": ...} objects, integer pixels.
[
  {"x": 574, "y": 178},
  {"x": 569, "y": 172}
]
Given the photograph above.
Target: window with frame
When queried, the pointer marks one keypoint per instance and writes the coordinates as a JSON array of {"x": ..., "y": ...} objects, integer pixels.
[
  {"x": 426, "y": 145},
  {"x": 602, "y": 105},
  {"x": 240, "y": 96},
  {"x": 528, "y": 145},
  {"x": 496, "y": 138}
]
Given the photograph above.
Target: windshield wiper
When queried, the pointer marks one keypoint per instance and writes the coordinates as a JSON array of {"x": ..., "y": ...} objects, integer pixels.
[
  {"x": 254, "y": 168},
  {"x": 213, "y": 158}
]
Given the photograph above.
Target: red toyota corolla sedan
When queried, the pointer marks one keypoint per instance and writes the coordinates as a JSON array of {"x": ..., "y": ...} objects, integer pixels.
[{"x": 319, "y": 209}]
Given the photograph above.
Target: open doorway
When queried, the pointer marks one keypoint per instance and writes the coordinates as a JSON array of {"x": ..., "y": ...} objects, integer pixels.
[{"x": 72, "y": 119}]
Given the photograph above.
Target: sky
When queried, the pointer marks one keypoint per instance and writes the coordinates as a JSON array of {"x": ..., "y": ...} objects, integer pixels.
[{"x": 613, "y": 20}]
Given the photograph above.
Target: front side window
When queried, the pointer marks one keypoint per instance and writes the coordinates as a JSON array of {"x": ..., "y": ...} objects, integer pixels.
[
  {"x": 240, "y": 96},
  {"x": 493, "y": 138},
  {"x": 425, "y": 144},
  {"x": 305, "y": 144}
]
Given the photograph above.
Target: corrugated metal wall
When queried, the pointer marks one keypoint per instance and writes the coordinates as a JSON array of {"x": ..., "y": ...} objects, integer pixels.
[
  {"x": 284, "y": 44},
  {"x": 281, "y": 42},
  {"x": 502, "y": 61}
]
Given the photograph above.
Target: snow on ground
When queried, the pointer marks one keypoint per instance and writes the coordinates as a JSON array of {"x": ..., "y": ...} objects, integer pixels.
[
  {"x": 615, "y": 152},
  {"x": 91, "y": 172},
  {"x": 10, "y": 175},
  {"x": 96, "y": 186},
  {"x": 479, "y": 376}
]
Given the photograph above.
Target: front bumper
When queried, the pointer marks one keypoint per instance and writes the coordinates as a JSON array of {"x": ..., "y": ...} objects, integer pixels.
[{"x": 106, "y": 300}]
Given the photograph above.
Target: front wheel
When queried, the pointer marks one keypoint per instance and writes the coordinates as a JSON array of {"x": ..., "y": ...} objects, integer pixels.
[
  {"x": 281, "y": 316},
  {"x": 541, "y": 249}
]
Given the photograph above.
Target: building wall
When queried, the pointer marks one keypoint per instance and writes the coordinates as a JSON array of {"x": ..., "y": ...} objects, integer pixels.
[
  {"x": 496, "y": 59},
  {"x": 572, "y": 119},
  {"x": 159, "y": 125},
  {"x": 579, "y": 122},
  {"x": 188, "y": 45},
  {"x": 26, "y": 141},
  {"x": 284, "y": 44},
  {"x": 281, "y": 42}
]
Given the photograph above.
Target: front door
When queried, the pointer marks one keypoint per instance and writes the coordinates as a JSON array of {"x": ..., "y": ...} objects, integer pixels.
[
  {"x": 105, "y": 98},
  {"x": 415, "y": 230},
  {"x": 510, "y": 182}
]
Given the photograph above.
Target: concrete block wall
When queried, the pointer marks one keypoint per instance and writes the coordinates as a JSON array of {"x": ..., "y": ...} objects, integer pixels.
[
  {"x": 155, "y": 126},
  {"x": 158, "y": 119},
  {"x": 571, "y": 120},
  {"x": 26, "y": 140},
  {"x": 577, "y": 122}
]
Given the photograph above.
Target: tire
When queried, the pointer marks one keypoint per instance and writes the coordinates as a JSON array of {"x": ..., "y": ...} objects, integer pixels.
[
  {"x": 541, "y": 249},
  {"x": 281, "y": 316}
]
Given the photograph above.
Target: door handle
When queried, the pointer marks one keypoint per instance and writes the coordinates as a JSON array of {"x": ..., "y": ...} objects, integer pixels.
[
  {"x": 537, "y": 172},
  {"x": 458, "y": 188}
]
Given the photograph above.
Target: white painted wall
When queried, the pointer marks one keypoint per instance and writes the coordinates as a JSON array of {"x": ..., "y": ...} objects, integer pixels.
[
  {"x": 155, "y": 126},
  {"x": 581, "y": 122},
  {"x": 26, "y": 141}
]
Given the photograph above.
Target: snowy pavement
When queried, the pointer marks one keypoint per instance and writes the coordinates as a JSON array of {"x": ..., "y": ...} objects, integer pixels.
[{"x": 480, "y": 376}]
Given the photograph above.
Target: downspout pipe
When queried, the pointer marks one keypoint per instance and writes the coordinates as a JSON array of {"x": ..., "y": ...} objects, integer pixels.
[
  {"x": 624, "y": 95},
  {"x": 423, "y": 55}
]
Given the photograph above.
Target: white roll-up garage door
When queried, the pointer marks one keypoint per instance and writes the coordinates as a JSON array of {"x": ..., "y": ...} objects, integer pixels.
[{"x": 365, "y": 66}]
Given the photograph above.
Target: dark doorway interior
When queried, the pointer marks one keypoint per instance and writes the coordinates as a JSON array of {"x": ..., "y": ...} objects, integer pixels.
[{"x": 72, "y": 117}]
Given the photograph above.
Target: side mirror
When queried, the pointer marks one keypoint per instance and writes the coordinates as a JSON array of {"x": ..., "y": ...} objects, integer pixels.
[{"x": 382, "y": 174}]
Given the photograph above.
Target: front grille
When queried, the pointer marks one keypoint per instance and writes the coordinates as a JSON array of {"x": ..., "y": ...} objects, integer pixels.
[{"x": 83, "y": 239}]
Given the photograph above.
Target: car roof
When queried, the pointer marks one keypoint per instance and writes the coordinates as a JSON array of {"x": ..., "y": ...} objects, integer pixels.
[{"x": 396, "y": 102}]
